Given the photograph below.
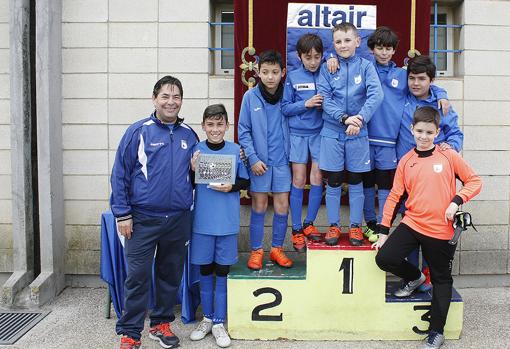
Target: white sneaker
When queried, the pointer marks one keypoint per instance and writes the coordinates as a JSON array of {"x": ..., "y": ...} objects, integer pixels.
[
  {"x": 203, "y": 328},
  {"x": 408, "y": 288},
  {"x": 220, "y": 333}
]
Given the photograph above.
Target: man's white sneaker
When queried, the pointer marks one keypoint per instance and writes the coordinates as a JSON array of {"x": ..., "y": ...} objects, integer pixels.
[
  {"x": 220, "y": 333},
  {"x": 203, "y": 328}
]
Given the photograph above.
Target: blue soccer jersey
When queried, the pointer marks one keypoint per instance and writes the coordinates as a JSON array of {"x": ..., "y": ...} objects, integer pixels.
[{"x": 217, "y": 213}]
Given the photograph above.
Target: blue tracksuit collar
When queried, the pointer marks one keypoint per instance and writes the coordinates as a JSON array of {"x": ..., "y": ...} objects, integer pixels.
[
  {"x": 316, "y": 73},
  {"x": 350, "y": 59},
  {"x": 430, "y": 99},
  {"x": 391, "y": 65},
  {"x": 157, "y": 121}
]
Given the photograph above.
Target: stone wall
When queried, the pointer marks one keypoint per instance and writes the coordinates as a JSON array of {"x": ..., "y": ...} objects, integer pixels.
[
  {"x": 486, "y": 121},
  {"x": 113, "y": 52},
  {"x": 5, "y": 144}
]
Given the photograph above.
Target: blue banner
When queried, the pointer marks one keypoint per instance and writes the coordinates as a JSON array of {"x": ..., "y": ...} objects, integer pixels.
[{"x": 320, "y": 19}]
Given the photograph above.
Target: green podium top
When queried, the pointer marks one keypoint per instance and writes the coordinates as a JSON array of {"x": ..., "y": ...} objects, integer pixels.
[{"x": 268, "y": 271}]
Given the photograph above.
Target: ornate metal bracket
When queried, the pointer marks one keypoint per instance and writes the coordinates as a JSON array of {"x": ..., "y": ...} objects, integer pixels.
[{"x": 248, "y": 66}]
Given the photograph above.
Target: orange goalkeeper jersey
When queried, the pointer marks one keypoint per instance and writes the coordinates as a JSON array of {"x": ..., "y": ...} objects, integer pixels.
[{"x": 427, "y": 179}]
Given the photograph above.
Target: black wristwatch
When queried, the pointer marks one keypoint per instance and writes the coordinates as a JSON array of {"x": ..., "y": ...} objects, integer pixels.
[{"x": 344, "y": 119}]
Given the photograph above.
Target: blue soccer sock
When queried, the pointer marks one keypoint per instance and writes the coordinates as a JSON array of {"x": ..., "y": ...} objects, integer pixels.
[
  {"x": 356, "y": 200},
  {"x": 382, "y": 195},
  {"x": 333, "y": 204},
  {"x": 296, "y": 205},
  {"x": 279, "y": 229},
  {"x": 369, "y": 204},
  {"x": 256, "y": 229},
  {"x": 314, "y": 203},
  {"x": 220, "y": 300},
  {"x": 207, "y": 294}
]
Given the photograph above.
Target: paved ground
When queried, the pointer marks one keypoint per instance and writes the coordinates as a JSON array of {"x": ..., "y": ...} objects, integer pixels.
[{"x": 77, "y": 321}]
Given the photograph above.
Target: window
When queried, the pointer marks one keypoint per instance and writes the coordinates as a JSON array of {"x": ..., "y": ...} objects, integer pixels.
[
  {"x": 442, "y": 34},
  {"x": 223, "y": 38}
]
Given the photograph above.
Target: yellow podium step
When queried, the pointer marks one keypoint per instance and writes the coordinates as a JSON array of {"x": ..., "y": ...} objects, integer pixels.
[{"x": 338, "y": 294}]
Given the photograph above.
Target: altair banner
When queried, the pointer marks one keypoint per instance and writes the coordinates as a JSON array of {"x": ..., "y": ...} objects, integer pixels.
[{"x": 320, "y": 19}]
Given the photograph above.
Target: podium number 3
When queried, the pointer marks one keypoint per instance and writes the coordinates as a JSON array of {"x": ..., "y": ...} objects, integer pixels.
[
  {"x": 348, "y": 267},
  {"x": 255, "y": 314}
]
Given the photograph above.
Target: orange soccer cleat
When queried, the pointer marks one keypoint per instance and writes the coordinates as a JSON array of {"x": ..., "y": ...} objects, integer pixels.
[
  {"x": 255, "y": 261},
  {"x": 311, "y": 232},
  {"x": 333, "y": 235},
  {"x": 355, "y": 236},
  {"x": 278, "y": 256},
  {"x": 298, "y": 241}
]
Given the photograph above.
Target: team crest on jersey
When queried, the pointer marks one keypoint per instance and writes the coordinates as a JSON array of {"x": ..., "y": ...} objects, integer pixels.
[
  {"x": 184, "y": 145},
  {"x": 394, "y": 83},
  {"x": 438, "y": 168},
  {"x": 357, "y": 79}
]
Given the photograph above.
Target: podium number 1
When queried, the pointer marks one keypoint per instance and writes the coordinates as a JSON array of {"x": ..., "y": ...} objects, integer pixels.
[{"x": 348, "y": 267}]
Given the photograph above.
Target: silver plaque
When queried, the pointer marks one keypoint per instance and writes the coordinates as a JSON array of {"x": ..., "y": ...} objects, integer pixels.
[{"x": 215, "y": 169}]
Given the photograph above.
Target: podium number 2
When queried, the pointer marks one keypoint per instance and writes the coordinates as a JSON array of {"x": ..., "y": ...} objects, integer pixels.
[
  {"x": 255, "y": 314},
  {"x": 348, "y": 267}
]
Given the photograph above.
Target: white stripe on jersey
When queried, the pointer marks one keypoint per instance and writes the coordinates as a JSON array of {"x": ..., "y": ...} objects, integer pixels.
[{"x": 142, "y": 157}]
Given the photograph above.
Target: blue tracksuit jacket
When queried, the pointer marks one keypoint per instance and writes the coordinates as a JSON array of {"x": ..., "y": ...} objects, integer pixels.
[
  {"x": 353, "y": 89},
  {"x": 252, "y": 127},
  {"x": 384, "y": 127},
  {"x": 300, "y": 86},
  {"x": 151, "y": 170},
  {"x": 449, "y": 127}
]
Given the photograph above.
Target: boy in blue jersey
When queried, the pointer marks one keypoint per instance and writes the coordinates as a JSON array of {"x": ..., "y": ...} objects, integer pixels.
[
  {"x": 421, "y": 72},
  {"x": 264, "y": 135},
  {"x": 383, "y": 128},
  {"x": 302, "y": 105},
  {"x": 215, "y": 227},
  {"x": 351, "y": 96}
]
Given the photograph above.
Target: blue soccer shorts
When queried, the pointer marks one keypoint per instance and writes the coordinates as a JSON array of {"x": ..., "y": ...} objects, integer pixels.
[
  {"x": 383, "y": 158},
  {"x": 221, "y": 249},
  {"x": 301, "y": 146},
  {"x": 277, "y": 179},
  {"x": 352, "y": 154}
]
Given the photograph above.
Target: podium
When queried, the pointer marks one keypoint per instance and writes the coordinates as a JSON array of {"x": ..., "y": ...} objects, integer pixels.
[{"x": 339, "y": 293}]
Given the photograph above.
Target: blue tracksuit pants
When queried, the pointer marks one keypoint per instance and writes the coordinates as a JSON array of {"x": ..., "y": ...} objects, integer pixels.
[{"x": 170, "y": 235}]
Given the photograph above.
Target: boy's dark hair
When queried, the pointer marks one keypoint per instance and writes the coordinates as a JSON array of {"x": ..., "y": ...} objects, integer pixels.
[
  {"x": 383, "y": 36},
  {"x": 308, "y": 42},
  {"x": 271, "y": 57},
  {"x": 345, "y": 27},
  {"x": 166, "y": 80},
  {"x": 427, "y": 114},
  {"x": 422, "y": 64},
  {"x": 216, "y": 112}
]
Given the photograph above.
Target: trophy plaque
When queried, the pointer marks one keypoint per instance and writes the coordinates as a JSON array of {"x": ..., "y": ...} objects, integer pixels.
[{"x": 215, "y": 169}]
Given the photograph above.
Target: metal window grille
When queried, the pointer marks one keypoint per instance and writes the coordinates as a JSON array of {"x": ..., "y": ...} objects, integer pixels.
[
  {"x": 442, "y": 40},
  {"x": 223, "y": 33}
]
